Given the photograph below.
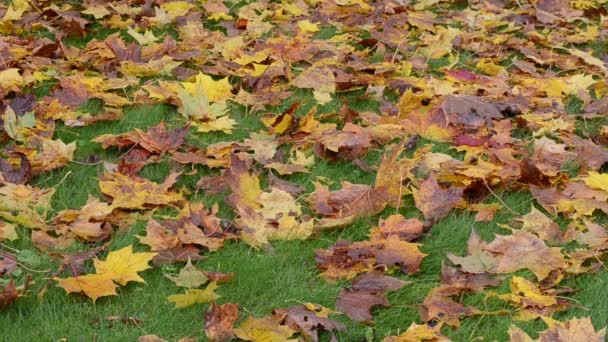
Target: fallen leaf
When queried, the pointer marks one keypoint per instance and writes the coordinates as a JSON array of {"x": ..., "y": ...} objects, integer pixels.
[
  {"x": 138, "y": 193},
  {"x": 219, "y": 321},
  {"x": 123, "y": 265},
  {"x": 264, "y": 329},
  {"x": 435, "y": 202},
  {"x": 195, "y": 296},
  {"x": 189, "y": 277}
]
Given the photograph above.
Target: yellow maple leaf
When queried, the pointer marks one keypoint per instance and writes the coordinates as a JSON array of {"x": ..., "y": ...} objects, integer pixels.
[
  {"x": 10, "y": 78},
  {"x": 93, "y": 285},
  {"x": 137, "y": 193},
  {"x": 214, "y": 90},
  {"x": 122, "y": 265},
  {"x": 176, "y": 9},
  {"x": 597, "y": 180},
  {"x": 264, "y": 329},
  {"x": 307, "y": 26},
  {"x": 97, "y": 12},
  {"x": 195, "y": 296},
  {"x": 222, "y": 124},
  {"x": 143, "y": 39},
  {"x": 25, "y": 205}
]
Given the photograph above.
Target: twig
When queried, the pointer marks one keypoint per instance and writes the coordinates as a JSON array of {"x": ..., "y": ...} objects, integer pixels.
[
  {"x": 498, "y": 198},
  {"x": 9, "y": 248}
]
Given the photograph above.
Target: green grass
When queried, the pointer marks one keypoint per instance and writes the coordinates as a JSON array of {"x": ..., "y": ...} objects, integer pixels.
[{"x": 264, "y": 280}]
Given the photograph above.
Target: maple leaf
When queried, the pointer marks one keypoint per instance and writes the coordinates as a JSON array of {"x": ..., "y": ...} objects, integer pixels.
[
  {"x": 346, "y": 259},
  {"x": 7, "y": 232},
  {"x": 478, "y": 260},
  {"x": 350, "y": 143},
  {"x": 88, "y": 223},
  {"x": 156, "y": 139},
  {"x": 189, "y": 277},
  {"x": 264, "y": 329},
  {"x": 196, "y": 101},
  {"x": 438, "y": 306},
  {"x": 524, "y": 250},
  {"x": 122, "y": 265},
  {"x": 138, "y": 193},
  {"x": 25, "y": 205},
  {"x": 309, "y": 319},
  {"x": 11, "y": 174},
  {"x": 353, "y": 200},
  {"x": 157, "y": 237},
  {"x": 93, "y": 285},
  {"x": 538, "y": 223},
  {"x": 532, "y": 302},
  {"x": 576, "y": 329},
  {"x": 368, "y": 290},
  {"x": 418, "y": 333},
  {"x": 102, "y": 283},
  {"x": 219, "y": 321},
  {"x": 397, "y": 225},
  {"x": 245, "y": 186},
  {"x": 392, "y": 173},
  {"x": 195, "y": 296},
  {"x": 278, "y": 218},
  {"x": 435, "y": 202}
]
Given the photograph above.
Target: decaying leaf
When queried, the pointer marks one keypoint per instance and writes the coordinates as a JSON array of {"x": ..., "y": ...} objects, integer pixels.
[
  {"x": 435, "y": 202},
  {"x": 308, "y": 321},
  {"x": 368, "y": 290},
  {"x": 219, "y": 321}
]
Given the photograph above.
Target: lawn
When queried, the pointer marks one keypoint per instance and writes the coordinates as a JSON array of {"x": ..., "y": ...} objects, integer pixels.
[{"x": 284, "y": 273}]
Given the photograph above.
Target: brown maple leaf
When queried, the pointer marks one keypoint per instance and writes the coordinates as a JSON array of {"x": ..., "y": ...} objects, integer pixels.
[
  {"x": 434, "y": 201},
  {"x": 367, "y": 291},
  {"x": 309, "y": 322},
  {"x": 219, "y": 321},
  {"x": 523, "y": 250}
]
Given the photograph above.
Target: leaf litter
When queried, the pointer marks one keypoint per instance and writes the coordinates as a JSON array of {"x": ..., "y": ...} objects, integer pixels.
[{"x": 495, "y": 81}]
